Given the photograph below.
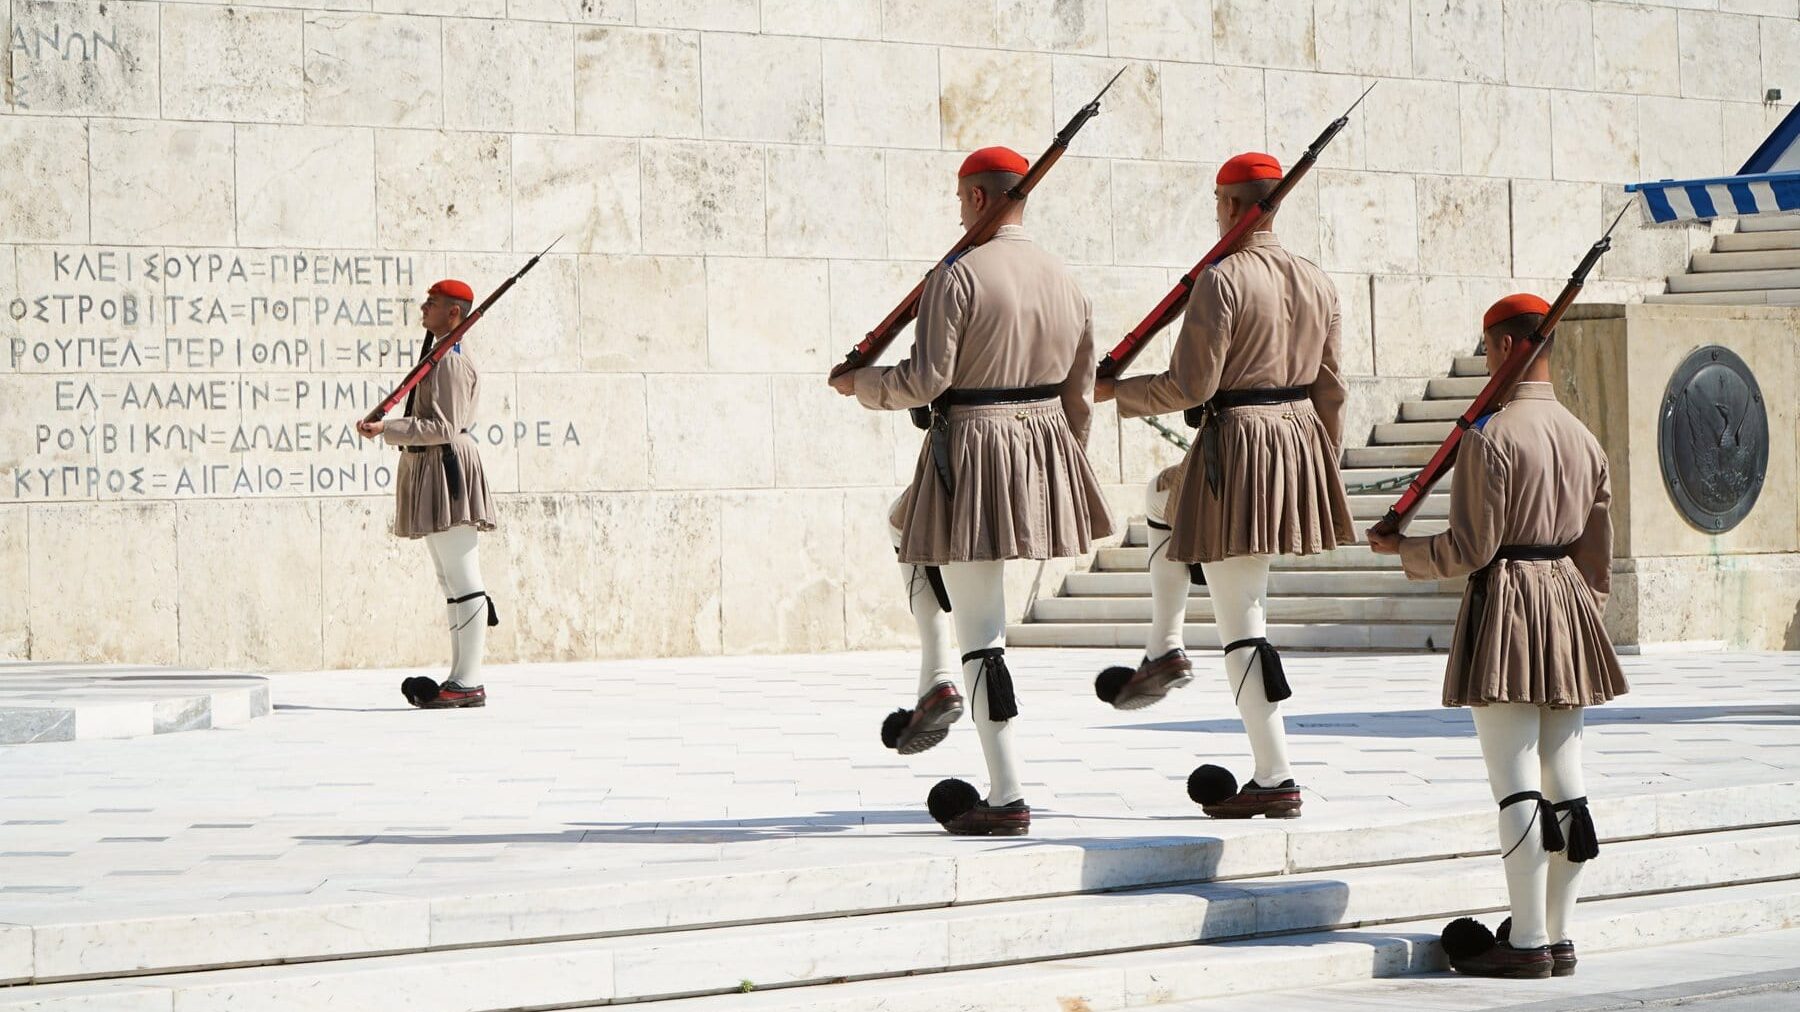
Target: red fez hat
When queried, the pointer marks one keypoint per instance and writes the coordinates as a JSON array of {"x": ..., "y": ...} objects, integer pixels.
[
  {"x": 451, "y": 289},
  {"x": 1249, "y": 167},
  {"x": 1511, "y": 306},
  {"x": 994, "y": 160}
]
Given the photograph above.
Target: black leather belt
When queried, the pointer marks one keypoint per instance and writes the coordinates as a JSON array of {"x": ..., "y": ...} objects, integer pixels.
[
  {"x": 1531, "y": 553},
  {"x": 1201, "y": 417},
  {"x": 1015, "y": 395}
]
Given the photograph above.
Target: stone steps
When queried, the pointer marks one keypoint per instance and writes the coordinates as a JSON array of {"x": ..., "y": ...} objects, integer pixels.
[
  {"x": 1281, "y": 584},
  {"x": 1776, "y": 297},
  {"x": 1427, "y": 434},
  {"x": 1747, "y": 260},
  {"x": 1439, "y": 609},
  {"x": 1770, "y": 223},
  {"x": 1136, "y": 559},
  {"x": 1006, "y": 917},
  {"x": 1155, "y": 978},
  {"x": 1409, "y": 457},
  {"x": 1381, "y": 637},
  {"x": 1746, "y": 242},
  {"x": 1455, "y": 387},
  {"x": 1467, "y": 366},
  {"x": 1443, "y": 410},
  {"x": 1734, "y": 281}
]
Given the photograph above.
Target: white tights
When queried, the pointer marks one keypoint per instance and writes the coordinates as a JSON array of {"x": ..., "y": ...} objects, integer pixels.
[
  {"x": 1239, "y": 588},
  {"x": 454, "y": 555},
  {"x": 978, "y": 604},
  {"x": 937, "y": 652},
  {"x": 1533, "y": 748}
]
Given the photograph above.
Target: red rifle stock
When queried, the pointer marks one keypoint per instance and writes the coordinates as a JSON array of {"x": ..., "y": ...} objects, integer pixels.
[
  {"x": 876, "y": 341},
  {"x": 1498, "y": 386},
  {"x": 1176, "y": 301},
  {"x": 448, "y": 343}
]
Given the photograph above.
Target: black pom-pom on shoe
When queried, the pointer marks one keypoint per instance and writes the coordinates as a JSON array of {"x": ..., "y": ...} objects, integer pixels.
[
  {"x": 1465, "y": 938},
  {"x": 1108, "y": 683},
  {"x": 951, "y": 798},
  {"x": 1209, "y": 784},
  {"x": 894, "y": 724},
  {"x": 419, "y": 690}
]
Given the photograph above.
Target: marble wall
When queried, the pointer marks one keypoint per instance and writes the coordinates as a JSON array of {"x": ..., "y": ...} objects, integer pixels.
[{"x": 217, "y": 218}]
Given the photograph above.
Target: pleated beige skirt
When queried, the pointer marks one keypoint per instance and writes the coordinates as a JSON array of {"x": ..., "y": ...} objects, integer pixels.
[
  {"x": 422, "y": 500},
  {"x": 1279, "y": 494},
  {"x": 1538, "y": 638},
  {"x": 1024, "y": 490}
]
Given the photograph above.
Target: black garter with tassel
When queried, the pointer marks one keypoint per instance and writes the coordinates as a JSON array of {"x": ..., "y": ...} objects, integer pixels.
[
  {"x": 1583, "y": 842},
  {"x": 1275, "y": 683},
  {"x": 1002, "y": 704}
]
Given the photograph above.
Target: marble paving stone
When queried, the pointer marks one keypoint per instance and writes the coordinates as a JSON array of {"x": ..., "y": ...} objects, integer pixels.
[
  {"x": 1132, "y": 125},
  {"x": 79, "y": 59},
  {"x": 762, "y": 88},
  {"x": 637, "y": 84},
  {"x": 585, "y": 189},
  {"x": 1594, "y": 137},
  {"x": 1464, "y": 225},
  {"x": 712, "y": 198},
  {"x": 1505, "y": 131},
  {"x": 1301, "y": 104},
  {"x": 710, "y": 15},
  {"x": 1364, "y": 36},
  {"x": 182, "y": 170},
  {"x": 1368, "y": 222},
  {"x": 1073, "y": 219},
  {"x": 1780, "y": 53},
  {"x": 1356, "y": 338},
  {"x": 1636, "y": 49},
  {"x": 992, "y": 97},
  {"x": 1549, "y": 43},
  {"x": 50, "y": 151},
  {"x": 925, "y": 183},
  {"x": 1164, "y": 217},
  {"x": 1554, "y": 223},
  {"x": 737, "y": 422},
  {"x": 1455, "y": 41},
  {"x": 1269, "y": 33},
  {"x": 240, "y": 616},
  {"x": 945, "y": 22},
  {"x": 1064, "y": 26},
  {"x": 847, "y": 19},
  {"x": 880, "y": 95},
  {"x": 767, "y": 315},
  {"x": 513, "y": 76},
  {"x": 374, "y": 70},
  {"x": 1179, "y": 31},
  {"x": 119, "y": 560},
  {"x": 643, "y": 313},
  {"x": 538, "y": 333},
  {"x": 24, "y": 725},
  {"x": 306, "y": 186},
  {"x": 1212, "y": 112},
  {"x": 1711, "y": 64},
  {"x": 1406, "y": 127},
  {"x": 802, "y": 223},
  {"x": 609, "y": 415},
  {"x": 825, "y": 440},
  {"x": 441, "y": 190},
  {"x": 1682, "y": 139},
  {"x": 592, "y": 12},
  {"x": 773, "y": 596},
  {"x": 233, "y": 64}
]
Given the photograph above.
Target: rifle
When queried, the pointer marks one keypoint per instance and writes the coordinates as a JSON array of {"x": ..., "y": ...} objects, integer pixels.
[
  {"x": 1498, "y": 386},
  {"x": 1176, "y": 301},
  {"x": 876, "y": 341},
  {"x": 447, "y": 343}
]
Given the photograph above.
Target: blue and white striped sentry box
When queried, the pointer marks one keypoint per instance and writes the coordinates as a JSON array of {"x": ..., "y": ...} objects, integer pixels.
[{"x": 1769, "y": 183}]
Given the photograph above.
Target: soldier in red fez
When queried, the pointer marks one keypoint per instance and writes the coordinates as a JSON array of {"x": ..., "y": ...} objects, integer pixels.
[
  {"x": 1530, "y": 526},
  {"x": 1004, "y": 356},
  {"x": 441, "y": 495},
  {"x": 1255, "y": 369}
]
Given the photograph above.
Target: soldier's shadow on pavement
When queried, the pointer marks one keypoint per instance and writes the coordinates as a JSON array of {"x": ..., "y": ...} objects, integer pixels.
[{"x": 1456, "y": 723}]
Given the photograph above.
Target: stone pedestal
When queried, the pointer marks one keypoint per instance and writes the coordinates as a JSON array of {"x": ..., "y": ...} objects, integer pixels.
[{"x": 1673, "y": 581}]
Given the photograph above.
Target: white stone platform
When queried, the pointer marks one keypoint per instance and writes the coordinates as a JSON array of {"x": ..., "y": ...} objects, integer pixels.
[
  {"x": 651, "y": 829},
  {"x": 48, "y": 702}
]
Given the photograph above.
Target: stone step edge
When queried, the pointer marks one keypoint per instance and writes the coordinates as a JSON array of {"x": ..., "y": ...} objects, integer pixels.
[
  {"x": 983, "y": 878},
  {"x": 1143, "y": 979},
  {"x": 1463, "y": 885}
]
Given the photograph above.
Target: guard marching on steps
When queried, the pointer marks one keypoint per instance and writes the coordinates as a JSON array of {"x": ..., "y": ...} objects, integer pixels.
[
  {"x": 1530, "y": 525},
  {"x": 441, "y": 495},
  {"x": 1255, "y": 370},
  {"x": 1003, "y": 356}
]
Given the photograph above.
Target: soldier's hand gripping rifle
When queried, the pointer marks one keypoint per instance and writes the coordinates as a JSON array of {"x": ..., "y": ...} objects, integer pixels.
[
  {"x": 1500, "y": 384},
  {"x": 876, "y": 341},
  {"x": 444, "y": 345},
  {"x": 1176, "y": 301}
]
